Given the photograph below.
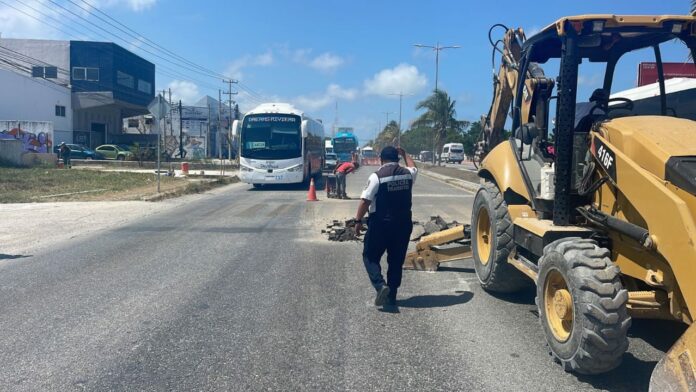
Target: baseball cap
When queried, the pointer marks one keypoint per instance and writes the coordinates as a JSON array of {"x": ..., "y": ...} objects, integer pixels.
[{"x": 389, "y": 153}]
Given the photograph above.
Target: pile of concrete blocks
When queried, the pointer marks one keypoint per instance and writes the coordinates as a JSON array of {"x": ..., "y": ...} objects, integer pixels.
[{"x": 342, "y": 231}]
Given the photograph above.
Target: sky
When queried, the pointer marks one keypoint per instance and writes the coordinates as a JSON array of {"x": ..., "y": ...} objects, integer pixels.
[{"x": 319, "y": 54}]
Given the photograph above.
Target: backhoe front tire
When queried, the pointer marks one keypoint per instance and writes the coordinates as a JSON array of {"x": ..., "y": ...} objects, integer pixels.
[
  {"x": 491, "y": 241},
  {"x": 582, "y": 306}
]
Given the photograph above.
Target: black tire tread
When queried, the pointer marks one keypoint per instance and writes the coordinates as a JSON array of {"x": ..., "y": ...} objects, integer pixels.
[
  {"x": 504, "y": 278},
  {"x": 597, "y": 287}
]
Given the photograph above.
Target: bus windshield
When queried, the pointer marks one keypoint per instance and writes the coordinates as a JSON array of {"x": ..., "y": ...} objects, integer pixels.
[
  {"x": 344, "y": 144},
  {"x": 271, "y": 136}
]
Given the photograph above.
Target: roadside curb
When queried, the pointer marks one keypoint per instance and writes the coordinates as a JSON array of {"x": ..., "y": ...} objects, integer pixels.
[{"x": 455, "y": 182}]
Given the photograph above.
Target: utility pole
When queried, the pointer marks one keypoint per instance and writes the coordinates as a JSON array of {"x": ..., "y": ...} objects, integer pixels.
[
  {"x": 218, "y": 137},
  {"x": 207, "y": 134},
  {"x": 387, "y": 114},
  {"x": 401, "y": 97},
  {"x": 333, "y": 129},
  {"x": 171, "y": 105},
  {"x": 437, "y": 48},
  {"x": 181, "y": 132},
  {"x": 229, "y": 94}
]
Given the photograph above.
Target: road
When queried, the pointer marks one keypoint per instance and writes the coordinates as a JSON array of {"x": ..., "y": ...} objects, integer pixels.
[{"x": 238, "y": 290}]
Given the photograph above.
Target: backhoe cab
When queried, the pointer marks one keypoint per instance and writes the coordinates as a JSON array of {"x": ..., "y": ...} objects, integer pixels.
[{"x": 600, "y": 211}]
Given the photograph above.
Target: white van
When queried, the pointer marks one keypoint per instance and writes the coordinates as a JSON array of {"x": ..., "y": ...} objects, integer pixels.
[{"x": 453, "y": 152}]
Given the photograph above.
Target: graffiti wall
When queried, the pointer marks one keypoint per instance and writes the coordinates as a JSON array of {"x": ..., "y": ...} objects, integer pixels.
[
  {"x": 36, "y": 136},
  {"x": 194, "y": 146}
]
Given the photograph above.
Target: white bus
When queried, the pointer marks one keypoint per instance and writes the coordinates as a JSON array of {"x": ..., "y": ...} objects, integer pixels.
[{"x": 279, "y": 144}]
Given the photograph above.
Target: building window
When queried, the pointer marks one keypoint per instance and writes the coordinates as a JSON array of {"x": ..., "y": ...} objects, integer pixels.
[
  {"x": 44, "y": 72},
  {"x": 85, "y": 73},
  {"x": 124, "y": 79},
  {"x": 60, "y": 111},
  {"x": 145, "y": 87}
]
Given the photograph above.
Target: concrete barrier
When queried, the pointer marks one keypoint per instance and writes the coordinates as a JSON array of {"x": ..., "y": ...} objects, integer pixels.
[
  {"x": 11, "y": 151},
  {"x": 34, "y": 159}
]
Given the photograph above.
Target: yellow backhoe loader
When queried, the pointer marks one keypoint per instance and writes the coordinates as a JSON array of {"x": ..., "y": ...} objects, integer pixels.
[{"x": 597, "y": 208}]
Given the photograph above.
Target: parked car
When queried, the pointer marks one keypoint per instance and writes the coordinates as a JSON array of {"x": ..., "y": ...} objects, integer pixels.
[
  {"x": 78, "y": 151},
  {"x": 331, "y": 160},
  {"x": 113, "y": 151},
  {"x": 426, "y": 156}
]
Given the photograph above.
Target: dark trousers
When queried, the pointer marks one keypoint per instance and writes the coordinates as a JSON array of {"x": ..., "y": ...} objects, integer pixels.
[
  {"x": 66, "y": 160},
  {"x": 393, "y": 238},
  {"x": 341, "y": 184}
]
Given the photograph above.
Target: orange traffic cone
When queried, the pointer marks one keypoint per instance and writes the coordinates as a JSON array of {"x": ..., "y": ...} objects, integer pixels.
[{"x": 312, "y": 194}]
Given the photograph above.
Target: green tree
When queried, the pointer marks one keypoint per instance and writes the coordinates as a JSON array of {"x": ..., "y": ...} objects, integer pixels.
[
  {"x": 387, "y": 136},
  {"x": 440, "y": 118},
  {"x": 417, "y": 139}
]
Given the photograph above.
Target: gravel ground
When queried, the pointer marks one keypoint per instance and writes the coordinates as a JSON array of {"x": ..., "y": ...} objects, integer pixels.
[{"x": 27, "y": 228}]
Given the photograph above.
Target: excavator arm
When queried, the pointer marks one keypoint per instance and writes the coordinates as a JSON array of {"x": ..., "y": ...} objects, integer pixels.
[{"x": 536, "y": 92}]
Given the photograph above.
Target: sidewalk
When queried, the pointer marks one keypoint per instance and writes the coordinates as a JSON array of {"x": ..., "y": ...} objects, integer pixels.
[
  {"x": 228, "y": 172},
  {"x": 457, "y": 182}
]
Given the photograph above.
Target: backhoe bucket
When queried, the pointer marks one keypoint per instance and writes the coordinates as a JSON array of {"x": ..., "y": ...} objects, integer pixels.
[{"x": 675, "y": 372}]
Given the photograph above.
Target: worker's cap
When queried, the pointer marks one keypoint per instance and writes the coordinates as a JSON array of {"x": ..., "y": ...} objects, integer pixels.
[
  {"x": 61, "y": 143},
  {"x": 389, "y": 153}
]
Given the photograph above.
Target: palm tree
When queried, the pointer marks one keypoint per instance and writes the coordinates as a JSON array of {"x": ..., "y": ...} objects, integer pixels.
[
  {"x": 439, "y": 117},
  {"x": 387, "y": 136}
]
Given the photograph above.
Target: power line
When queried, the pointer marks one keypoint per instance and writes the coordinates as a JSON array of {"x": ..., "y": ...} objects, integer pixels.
[
  {"x": 181, "y": 61},
  {"x": 206, "y": 73},
  {"x": 147, "y": 40},
  {"x": 158, "y": 68}
]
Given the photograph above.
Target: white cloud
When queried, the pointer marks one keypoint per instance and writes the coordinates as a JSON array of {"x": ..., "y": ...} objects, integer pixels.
[
  {"x": 140, "y": 5},
  {"x": 133, "y": 5},
  {"x": 24, "y": 22},
  {"x": 326, "y": 62},
  {"x": 300, "y": 55},
  {"x": 591, "y": 80},
  {"x": 234, "y": 69},
  {"x": 185, "y": 91},
  {"x": 404, "y": 77},
  {"x": 318, "y": 101}
]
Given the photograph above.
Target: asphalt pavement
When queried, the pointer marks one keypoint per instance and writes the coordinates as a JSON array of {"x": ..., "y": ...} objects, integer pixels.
[{"x": 238, "y": 290}]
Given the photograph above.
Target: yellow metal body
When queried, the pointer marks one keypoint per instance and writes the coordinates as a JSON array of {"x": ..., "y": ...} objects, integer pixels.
[
  {"x": 675, "y": 371},
  {"x": 428, "y": 255},
  {"x": 660, "y": 274},
  {"x": 639, "y": 194},
  {"x": 500, "y": 166}
]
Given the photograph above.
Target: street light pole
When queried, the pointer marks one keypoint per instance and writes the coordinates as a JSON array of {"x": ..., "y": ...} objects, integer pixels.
[
  {"x": 401, "y": 96},
  {"x": 387, "y": 114},
  {"x": 437, "y": 48}
]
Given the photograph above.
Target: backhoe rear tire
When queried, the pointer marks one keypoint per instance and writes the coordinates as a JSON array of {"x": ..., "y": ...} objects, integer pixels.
[
  {"x": 491, "y": 239},
  {"x": 582, "y": 306}
]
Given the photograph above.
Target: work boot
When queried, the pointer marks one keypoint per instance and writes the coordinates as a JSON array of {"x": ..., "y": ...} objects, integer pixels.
[{"x": 382, "y": 296}]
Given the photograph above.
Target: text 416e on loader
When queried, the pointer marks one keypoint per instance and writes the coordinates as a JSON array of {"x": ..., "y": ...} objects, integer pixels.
[{"x": 600, "y": 212}]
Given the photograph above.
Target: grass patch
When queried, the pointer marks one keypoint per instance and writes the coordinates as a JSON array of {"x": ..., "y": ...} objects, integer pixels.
[{"x": 21, "y": 185}]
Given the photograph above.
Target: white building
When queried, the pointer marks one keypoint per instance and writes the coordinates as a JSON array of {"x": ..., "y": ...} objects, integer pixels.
[{"x": 27, "y": 98}]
